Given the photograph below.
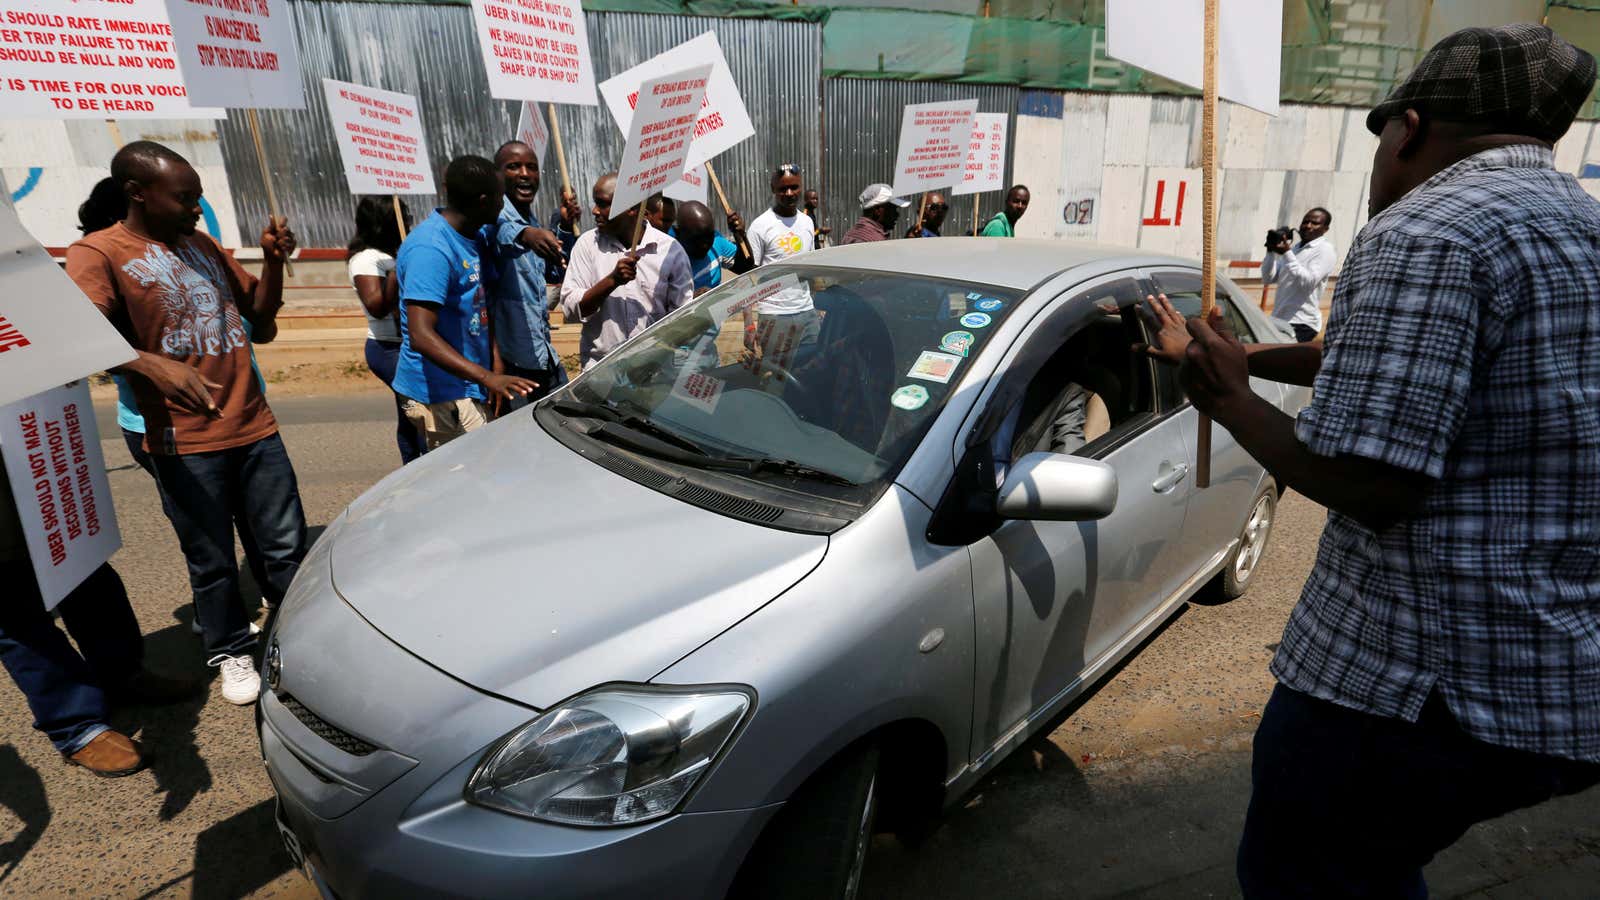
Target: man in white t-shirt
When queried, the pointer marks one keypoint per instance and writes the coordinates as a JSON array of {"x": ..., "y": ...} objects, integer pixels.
[{"x": 776, "y": 328}]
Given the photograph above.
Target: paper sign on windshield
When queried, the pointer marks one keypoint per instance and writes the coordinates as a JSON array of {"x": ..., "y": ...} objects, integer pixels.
[
  {"x": 380, "y": 139},
  {"x": 933, "y": 145},
  {"x": 985, "y": 169},
  {"x": 1167, "y": 37},
  {"x": 535, "y": 50},
  {"x": 723, "y": 120},
  {"x": 661, "y": 135},
  {"x": 58, "y": 479},
  {"x": 237, "y": 53},
  {"x": 91, "y": 59}
]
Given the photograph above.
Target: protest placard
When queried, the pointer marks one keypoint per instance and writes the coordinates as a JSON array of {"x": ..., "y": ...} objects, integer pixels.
[
  {"x": 237, "y": 53},
  {"x": 58, "y": 479},
  {"x": 380, "y": 139},
  {"x": 933, "y": 145},
  {"x": 50, "y": 333},
  {"x": 535, "y": 50},
  {"x": 661, "y": 135},
  {"x": 531, "y": 130},
  {"x": 91, "y": 59},
  {"x": 723, "y": 121},
  {"x": 1164, "y": 37},
  {"x": 985, "y": 169},
  {"x": 692, "y": 186}
]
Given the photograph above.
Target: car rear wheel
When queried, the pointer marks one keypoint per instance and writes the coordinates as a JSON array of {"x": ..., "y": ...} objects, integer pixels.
[
  {"x": 1240, "y": 569},
  {"x": 816, "y": 847}
]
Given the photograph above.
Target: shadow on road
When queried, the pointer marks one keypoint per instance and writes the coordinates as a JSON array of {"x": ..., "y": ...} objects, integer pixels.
[
  {"x": 239, "y": 855},
  {"x": 24, "y": 795}
]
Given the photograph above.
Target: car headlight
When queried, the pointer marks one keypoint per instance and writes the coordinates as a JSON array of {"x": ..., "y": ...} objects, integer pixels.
[{"x": 616, "y": 756}]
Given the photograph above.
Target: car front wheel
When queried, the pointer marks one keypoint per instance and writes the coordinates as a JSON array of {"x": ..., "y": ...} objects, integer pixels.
[
  {"x": 816, "y": 847},
  {"x": 1240, "y": 569}
]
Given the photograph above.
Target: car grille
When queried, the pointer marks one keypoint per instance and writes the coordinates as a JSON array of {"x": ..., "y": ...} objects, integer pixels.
[{"x": 324, "y": 729}]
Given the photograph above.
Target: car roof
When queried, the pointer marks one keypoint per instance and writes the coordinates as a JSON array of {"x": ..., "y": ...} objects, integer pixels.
[{"x": 1018, "y": 263}]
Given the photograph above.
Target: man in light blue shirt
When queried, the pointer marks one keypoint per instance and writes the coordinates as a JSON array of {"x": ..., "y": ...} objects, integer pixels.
[
  {"x": 709, "y": 252},
  {"x": 522, "y": 250}
]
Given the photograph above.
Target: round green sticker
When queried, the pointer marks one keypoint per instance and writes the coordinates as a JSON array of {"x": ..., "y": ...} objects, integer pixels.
[
  {"x": 912, "y": 396},
  {"x": 957, "y": 342}
]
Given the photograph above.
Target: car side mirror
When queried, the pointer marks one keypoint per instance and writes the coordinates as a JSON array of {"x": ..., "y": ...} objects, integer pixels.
[{"x": 1054, "y": 487}]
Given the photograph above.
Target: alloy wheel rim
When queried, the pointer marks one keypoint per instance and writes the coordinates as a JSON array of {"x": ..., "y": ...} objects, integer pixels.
[
  {"x": 859, "y": 863},
  {"x": 1253, "y": 540}
]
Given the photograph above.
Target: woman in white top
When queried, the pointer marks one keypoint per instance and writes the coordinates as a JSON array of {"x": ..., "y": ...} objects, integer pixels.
[{"x": 371, "y": 259}]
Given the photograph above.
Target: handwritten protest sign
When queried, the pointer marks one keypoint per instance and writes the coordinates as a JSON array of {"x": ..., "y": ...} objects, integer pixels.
[
  {"x": 692, "y": 186},
  {"x": 380, "y": 139},
  {"x": 661, "y": 135},
  {"x": 985, "y": 169},
  {"x": 50, "y": 333},
  {"x": 58, "y": 479},
  {"x": 723, "y": 121},
  {"x": 1164, "y": 37},
  {"x": 91, "y": 59},
  {"x": 238, "y": 53},
  {"x": 933, "y": 145},
  {"x": 535, "y": 50},
  {"x": 532, "y": 131}
]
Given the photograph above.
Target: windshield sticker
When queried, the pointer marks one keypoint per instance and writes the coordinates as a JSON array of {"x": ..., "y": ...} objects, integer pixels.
[
  {"x": 931, "y": 366},
  {"x": 912, "y": 396},
  {"x": 976, "y": 320},
  {"x": 989, "y": 304},
  {"x": 699, "y": 390},
  {"x": 957, "y": 342},
  {"x": 742, "y": 296}
]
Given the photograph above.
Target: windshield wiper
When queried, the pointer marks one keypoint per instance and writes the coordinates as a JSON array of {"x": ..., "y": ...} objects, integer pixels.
[
  {"x": 791, "y": 467},
  {"x": 601, "y": 411}
]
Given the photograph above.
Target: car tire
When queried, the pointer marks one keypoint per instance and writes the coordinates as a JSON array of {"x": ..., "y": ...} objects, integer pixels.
[
  {"x": 816, "y": 847},
  {"x": 1245, "y": 560}
]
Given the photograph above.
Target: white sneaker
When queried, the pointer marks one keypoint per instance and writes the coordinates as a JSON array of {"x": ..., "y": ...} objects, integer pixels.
[
  {"x": 194, "y": 626},
  {"x": 240, "y": 683}
]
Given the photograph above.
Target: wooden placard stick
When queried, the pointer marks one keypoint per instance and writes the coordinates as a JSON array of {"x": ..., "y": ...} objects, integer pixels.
[
  {"x": 922, "y": 210},
  {"x": 638, "y": 228},
  {"x": 266, "y": 178},
  {"x": 561, "y": 161},
  {"x": 975, "y": 226},
  {"x": 727, "y": 209},
  {"x": 399, "y": 217},
  {"x": 1208, "y": 259}
]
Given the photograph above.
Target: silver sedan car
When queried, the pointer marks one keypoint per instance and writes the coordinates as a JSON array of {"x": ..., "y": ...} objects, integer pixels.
[{"x": 798, "y": 563}]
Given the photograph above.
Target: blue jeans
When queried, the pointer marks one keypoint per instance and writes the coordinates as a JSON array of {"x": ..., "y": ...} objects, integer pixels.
[
  {"x": 206, "y": 491},
  {"x": 1349, "y": 804},
  {"x": 65, "y": 690},
  {"x": 382, "y": 357}
]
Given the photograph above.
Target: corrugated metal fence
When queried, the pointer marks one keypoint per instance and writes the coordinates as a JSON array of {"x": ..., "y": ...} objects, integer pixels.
[
  {"x": 432, "y": 51},
  {"x": 841, "y": 132}
]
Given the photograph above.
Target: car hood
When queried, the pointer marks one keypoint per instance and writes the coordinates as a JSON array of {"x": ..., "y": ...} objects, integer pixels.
[{"x": 514, "y": 564}]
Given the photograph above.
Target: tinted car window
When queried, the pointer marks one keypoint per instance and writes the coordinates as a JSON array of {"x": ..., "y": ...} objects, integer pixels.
[
  {"x": 1184, "y": 292},
  {"x": 847, "y": 387}
]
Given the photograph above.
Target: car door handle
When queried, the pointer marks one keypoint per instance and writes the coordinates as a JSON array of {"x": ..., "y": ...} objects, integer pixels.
[{"x": 1170, "y": 480}]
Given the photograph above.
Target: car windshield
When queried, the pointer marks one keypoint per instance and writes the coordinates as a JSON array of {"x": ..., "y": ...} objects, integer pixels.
[{"x": 809, "y": 372}]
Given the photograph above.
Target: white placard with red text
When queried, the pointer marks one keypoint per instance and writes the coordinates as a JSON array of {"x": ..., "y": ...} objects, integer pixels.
[
  {"x": 380, "y": 139},
  {"x": 535, "y": 50},
  {"x": 237, "y": 53},
  {"x": 50, "y": 333},
  {"x": 91, "y": 59},
  {"x": 723, "y": 119},
  {"x": 692, "y": 186},
  {"x": 985, "y": 169},
  {"x": 58, "y": 478},
  {"x": 1167, "y": 37},
  {"x": 531, "y": 130},
  {"x": 661, "y": 136},
  {"x": 933, "y": 145}
]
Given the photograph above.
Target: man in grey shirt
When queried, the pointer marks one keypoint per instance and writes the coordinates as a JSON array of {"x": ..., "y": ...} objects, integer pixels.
[{"x": 616, "y": 292}]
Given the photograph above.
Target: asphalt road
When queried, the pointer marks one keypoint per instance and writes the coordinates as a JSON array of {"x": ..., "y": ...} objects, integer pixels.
[{"x": 1140, "y": 793}]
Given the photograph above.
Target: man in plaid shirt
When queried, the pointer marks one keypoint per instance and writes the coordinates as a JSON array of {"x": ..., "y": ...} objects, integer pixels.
[{"x": 1443, "y": 664}]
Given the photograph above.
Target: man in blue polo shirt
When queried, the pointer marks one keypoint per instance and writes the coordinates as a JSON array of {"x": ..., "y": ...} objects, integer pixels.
[
  {"x": 445, "y": 356},
  {"x": 524, "y": 253},
  {"x": 709, "y": 252}
]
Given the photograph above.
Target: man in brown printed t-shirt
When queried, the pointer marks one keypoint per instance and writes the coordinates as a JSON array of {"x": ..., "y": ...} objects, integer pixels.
[{"x": 181, "y": 302}]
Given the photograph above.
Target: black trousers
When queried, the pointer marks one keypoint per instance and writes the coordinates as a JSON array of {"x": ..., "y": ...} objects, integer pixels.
[{"x": 1349, "y": 804}]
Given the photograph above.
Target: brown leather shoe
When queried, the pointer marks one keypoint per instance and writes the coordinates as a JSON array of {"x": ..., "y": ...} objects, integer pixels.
[
  {"x": 110, "y": 754},
  {"x": 146, "y": 688}
]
